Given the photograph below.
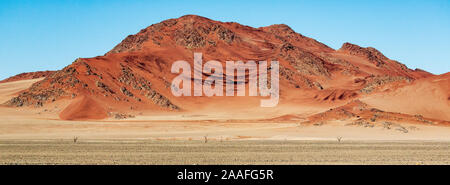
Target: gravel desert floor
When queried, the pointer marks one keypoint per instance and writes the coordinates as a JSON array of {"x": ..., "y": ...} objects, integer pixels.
[{"x": 223, "y": 152}]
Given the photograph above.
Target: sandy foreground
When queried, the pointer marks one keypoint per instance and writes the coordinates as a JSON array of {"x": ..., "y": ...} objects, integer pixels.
[
  {"x": 225, "y": 152},
  {"x": 37, "y": 136}
]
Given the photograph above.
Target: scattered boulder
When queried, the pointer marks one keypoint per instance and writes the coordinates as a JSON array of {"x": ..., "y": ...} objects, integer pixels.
[{"x": 126, "y": 92}]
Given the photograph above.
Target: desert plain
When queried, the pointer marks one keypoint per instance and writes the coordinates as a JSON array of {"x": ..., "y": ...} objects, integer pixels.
[{"x": 37, "y": 136}]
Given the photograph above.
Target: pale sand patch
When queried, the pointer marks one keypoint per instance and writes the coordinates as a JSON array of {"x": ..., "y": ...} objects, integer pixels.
[
  {"x": 24, "y": 126},
  {"x": 10, "y": 89}
]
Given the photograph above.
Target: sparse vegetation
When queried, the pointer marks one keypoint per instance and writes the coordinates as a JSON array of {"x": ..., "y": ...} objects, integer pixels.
[
  {"x": 339, "y": 138},
  {"x": 231, "y": 152}
]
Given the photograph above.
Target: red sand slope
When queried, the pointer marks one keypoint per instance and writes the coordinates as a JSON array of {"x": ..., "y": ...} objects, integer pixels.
[{"x": 83, "y": 108}]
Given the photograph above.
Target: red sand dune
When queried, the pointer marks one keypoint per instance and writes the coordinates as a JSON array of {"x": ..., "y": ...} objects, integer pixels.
[
  {"x": 429, "y": 97},
  {"x": 135, "y": 75},
  {"x": 83, "y": 108}
]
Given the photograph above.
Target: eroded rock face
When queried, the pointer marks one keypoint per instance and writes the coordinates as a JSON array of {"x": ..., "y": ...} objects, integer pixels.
[
  {"x": 131, "y": 43},
  {"x": 126, "y": 92},
  {"x": 160, "y": 100},
  {"x": 372, "y": 54},
  {"x": 281, "y": 30},
  {"x": 47, "y": 90},
  {"x": 297, "y": 79},
  {"x": 224, "y": 34},
  {"x": 104, "y": 87},
  {"x": 35, "y": 98},
  {"x": 374, "y": 82},
  {"x": 189, "y": 38},
  {"x": 304, "y": 61}
]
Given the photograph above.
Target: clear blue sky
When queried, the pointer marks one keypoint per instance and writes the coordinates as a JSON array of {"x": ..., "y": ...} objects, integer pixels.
[{"x": 43, "y": 34}]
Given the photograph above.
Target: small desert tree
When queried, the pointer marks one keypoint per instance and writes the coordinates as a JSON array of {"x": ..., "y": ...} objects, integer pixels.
[
  {"x": 75, "y": 139},
  {"x": 339, "y": 138}
]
